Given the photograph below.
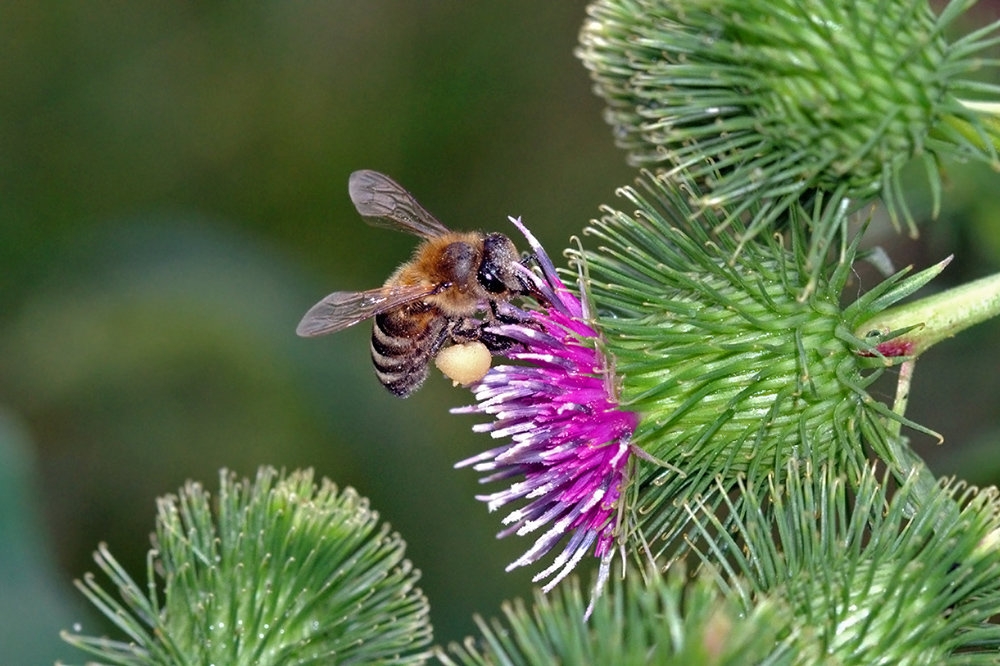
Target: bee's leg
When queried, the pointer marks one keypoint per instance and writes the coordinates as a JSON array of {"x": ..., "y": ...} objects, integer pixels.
[
  {"x": 528, "y": 288},
  {"x": 502, "y": 312},
  {"x": 466, "y": 329},
  {"x": 507, "y": 313},
  {"x": 471, "y": 329},
  {"x": 443, "y": 336},
  {"x": 496, "y": 343}
]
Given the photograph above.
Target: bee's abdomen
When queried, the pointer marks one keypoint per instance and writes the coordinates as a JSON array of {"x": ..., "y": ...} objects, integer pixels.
[{"x": 402, "y": 345}]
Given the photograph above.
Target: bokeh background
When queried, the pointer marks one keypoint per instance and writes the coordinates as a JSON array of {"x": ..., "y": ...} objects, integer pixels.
[{"x": 173, "y": 196}]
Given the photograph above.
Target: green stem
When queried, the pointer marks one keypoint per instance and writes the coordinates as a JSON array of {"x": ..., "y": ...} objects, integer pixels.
[
  {"x": 929, "y": 320},
  {"x": 909, "y": 462},
  {"x": 902, "y": 395}
]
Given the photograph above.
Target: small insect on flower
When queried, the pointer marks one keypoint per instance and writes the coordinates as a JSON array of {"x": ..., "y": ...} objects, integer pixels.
[
  {"x": 430, "y": 301},
  {"x": 569, "y": 449}
]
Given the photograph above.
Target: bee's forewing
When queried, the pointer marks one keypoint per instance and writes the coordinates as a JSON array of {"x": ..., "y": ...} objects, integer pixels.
[
  {"x": 384, "y": 202},
  {"x": 342, "y": 309}
]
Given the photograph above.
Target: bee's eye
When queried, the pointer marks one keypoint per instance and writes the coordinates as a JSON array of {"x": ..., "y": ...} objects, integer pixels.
[{"x": 488, "y": 279}]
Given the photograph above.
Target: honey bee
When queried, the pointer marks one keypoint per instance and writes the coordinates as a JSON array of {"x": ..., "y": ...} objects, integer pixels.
[{"x": 430, "y": 301}]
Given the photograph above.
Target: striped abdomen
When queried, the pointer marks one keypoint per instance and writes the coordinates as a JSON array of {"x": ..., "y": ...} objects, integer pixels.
[{"x": 403, "y": 342}]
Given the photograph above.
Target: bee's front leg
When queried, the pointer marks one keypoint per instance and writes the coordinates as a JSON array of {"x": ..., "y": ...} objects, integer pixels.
[
  {"x": 471, "y": 329},
  {"x": 504, "y": 312},
  {"x": 465, "y": 329}
]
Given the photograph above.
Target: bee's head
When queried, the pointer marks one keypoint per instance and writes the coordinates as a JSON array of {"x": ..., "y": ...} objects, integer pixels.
[{"x": 496, "y": 271}]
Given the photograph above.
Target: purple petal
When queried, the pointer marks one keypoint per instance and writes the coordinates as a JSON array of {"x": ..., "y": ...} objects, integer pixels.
[{"x": 567, "y": 455}]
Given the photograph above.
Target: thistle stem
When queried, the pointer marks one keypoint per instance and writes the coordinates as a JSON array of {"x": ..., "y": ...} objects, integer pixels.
[
  {"x": 902, "y": 395},
  {"x": 929, "y": 320}
]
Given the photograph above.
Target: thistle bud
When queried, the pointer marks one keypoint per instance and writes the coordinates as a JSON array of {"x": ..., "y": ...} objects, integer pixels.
[
  {"x": 280, "y": 570},
  {"x": 773, "y": 99},
  {"x": 731, "y": 370},
  {"x": 900, "y": 579}
]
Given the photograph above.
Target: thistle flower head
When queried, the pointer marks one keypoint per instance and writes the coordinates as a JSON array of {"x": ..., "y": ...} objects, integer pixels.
[
  {"x": 732, "y": 369},
  {"x": 279, "y": 572},
  {"x": 567, "y": 454},
  {"x": 911, "y": 579},
  {"x": 770, "y": 100},
  {"x": 654, "y": 618}
]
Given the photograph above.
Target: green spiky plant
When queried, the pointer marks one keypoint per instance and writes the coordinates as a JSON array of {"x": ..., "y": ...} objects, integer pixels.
[
  {"x": 278, "y": 570},
  {"x": 695, "y": 408}
]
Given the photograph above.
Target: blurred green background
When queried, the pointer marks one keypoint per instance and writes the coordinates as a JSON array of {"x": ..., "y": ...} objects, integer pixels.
[{"x": 173, "y": 197}]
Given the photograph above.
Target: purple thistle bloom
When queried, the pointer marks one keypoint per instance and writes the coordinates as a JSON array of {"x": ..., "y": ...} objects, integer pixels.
[{"x": 569, "y": 451}]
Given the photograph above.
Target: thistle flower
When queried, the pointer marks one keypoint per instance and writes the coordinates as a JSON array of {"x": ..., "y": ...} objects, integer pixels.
[
  {"x": 568, "y": 453},
  {"x": 768, "y": 101},
  {"x": 732, "y": 369},
  {"x": 909, "y": 580},
  {"x": 281, "y": 572}
]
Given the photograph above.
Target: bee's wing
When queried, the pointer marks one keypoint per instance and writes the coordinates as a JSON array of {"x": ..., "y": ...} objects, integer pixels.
[
  {"x": 383, "y": 202},
  {"x": 346, "y": 308}
]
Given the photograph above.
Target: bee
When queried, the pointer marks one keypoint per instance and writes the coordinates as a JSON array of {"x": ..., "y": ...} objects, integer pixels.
[{"x": 432, "y": 300}]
